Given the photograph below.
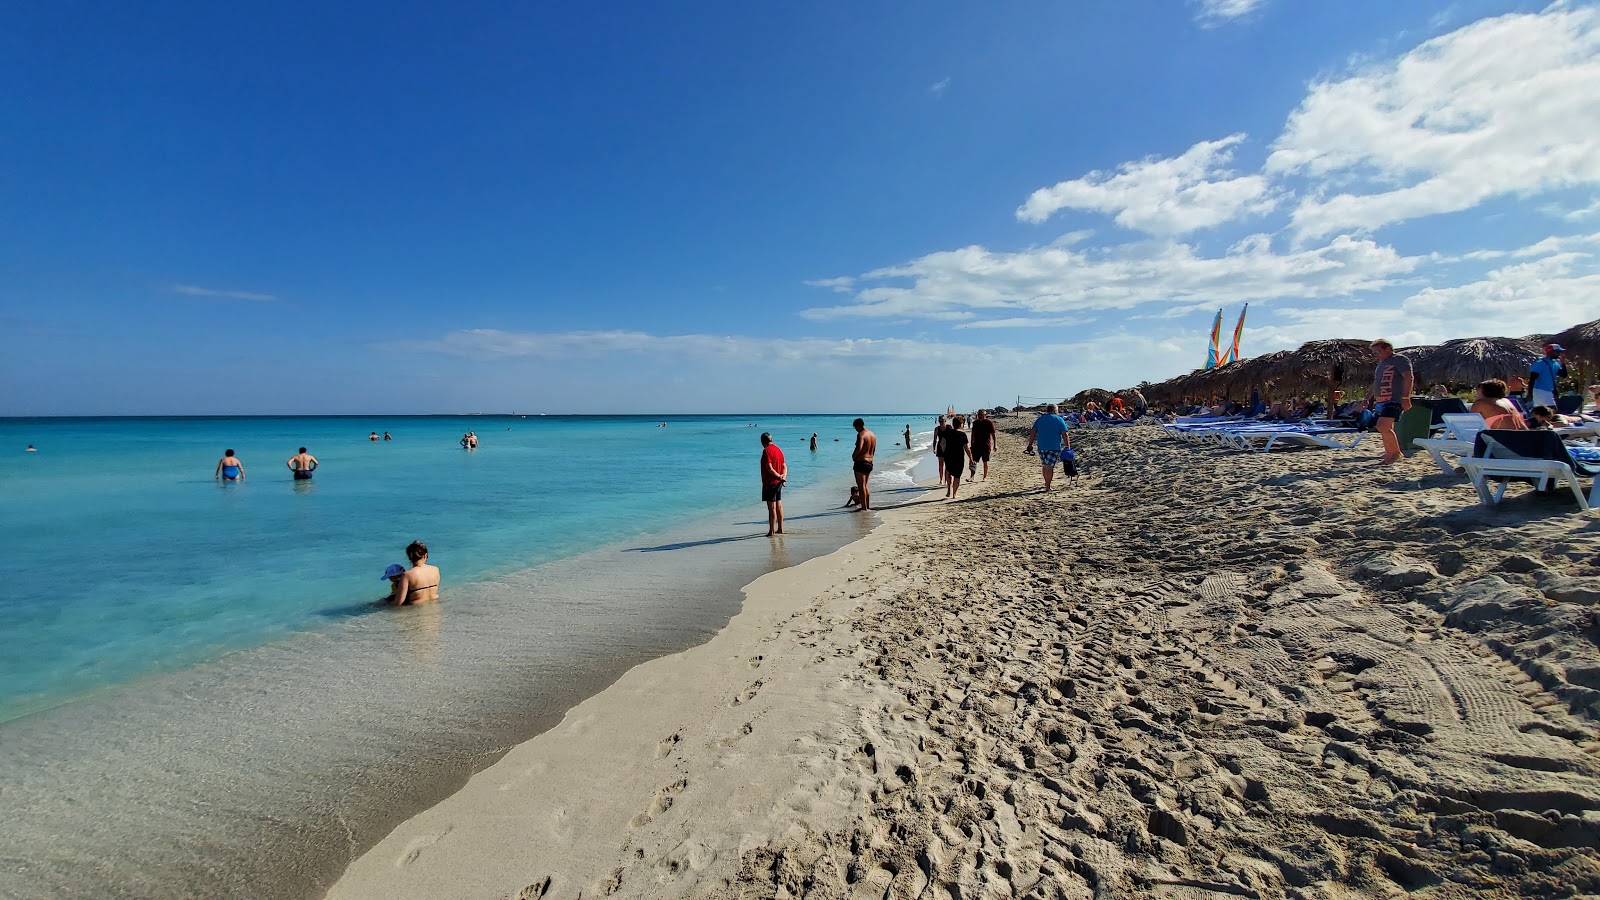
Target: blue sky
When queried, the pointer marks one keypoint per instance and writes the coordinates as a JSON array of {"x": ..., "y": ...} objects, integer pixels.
[{"x": 695, "y": 207}]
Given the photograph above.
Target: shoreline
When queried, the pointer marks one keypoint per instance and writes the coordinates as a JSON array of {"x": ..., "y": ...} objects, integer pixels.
[
  {"x": 460, "y": 692},
  {"x": 1333, "y": 684},
  {"x": 624, "y": 756}
]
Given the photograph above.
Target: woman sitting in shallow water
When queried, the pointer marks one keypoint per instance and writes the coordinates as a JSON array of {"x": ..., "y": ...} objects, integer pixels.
[{"x": 419, "y": 584}]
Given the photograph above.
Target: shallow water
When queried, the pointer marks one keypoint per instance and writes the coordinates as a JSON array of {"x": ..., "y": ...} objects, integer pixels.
[{"x": 216, "y": 731}]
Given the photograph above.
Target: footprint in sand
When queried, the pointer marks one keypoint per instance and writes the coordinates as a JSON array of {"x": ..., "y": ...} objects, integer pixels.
[
  {"x": 536, "y": 890},
  {"x": 667, "y": 745},
  {"x": 659, "y": 804},
  {"x": 724, "y": 743},
  {"x": 749, "y": 693},
  {"x": 755, "y": 662}
]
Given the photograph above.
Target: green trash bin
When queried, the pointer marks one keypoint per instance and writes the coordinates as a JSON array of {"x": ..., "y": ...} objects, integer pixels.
[{"x": 1416, "y": 422}]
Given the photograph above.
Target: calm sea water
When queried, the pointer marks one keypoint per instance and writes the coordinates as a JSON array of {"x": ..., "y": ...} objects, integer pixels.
[{"x": 197, "y": 693}]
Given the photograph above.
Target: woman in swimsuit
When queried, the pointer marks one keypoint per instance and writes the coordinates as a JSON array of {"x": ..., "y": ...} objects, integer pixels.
[
  {"x": 229, "y": 468},
  {"x": 420, "y": 583}
]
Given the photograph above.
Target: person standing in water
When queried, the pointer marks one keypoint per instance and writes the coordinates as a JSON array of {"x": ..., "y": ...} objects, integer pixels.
[
  {"x": 373, "y": 437},
  {"x": 813, "y": 442},
  {"x": 388, "y": 438},
  {"x": 774, "y": 472},
  {"x": 861, "y": 459},
  {"x": 418, "y": 584},
  {"x": 229, "y": 468},
  {"x": 908, "y": 437},
  {"x": 302, "y": 464}
]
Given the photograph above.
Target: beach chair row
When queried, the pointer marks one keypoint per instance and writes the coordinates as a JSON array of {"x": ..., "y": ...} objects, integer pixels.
[{"x": 1256, "y": 436}]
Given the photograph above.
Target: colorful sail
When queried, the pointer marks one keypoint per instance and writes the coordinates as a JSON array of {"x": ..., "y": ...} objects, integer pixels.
[
  {"x": 1211, "y": 353},
  {"x": 1232, "y": 353}
]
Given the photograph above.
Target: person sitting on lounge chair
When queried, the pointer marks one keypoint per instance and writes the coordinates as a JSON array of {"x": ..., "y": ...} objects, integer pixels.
[{"x": 1496, "y": 410}]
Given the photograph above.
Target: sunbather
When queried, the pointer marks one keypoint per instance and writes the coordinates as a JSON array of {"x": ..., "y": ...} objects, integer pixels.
[{"x": 1496, "y": 410}]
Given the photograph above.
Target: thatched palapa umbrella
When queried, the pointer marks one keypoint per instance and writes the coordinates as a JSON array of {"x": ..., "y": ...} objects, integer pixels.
[
  {"x": 1326, "y": 365},
  {"x": 1091, "y": 395},
  {"x": 1467, "y": 361},
  {"x": 1582, "y": 342}
]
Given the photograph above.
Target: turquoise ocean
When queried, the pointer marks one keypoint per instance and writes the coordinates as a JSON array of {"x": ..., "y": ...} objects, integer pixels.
[{"x": 198, "y": 693}]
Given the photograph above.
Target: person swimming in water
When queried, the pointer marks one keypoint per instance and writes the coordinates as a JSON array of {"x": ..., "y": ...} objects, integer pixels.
[
  {"x": 373, "y": 437},
  {"x": 387, "y": 438},
  {"x": 302, "y": 465},
  {"x": 417, "y": 585},
  {"x": 229, "y": 468},
  {"x": 31, "y": 449}
]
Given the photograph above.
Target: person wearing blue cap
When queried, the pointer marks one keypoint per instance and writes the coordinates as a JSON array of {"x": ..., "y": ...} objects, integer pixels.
[
  {"x": 394, "y": 574},
  {"x": 1543, "y": 375},
  {"x": 419, "y": 584}
]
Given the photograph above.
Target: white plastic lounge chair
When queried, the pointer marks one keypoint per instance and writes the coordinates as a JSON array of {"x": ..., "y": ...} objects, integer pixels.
[
  {"x": 1460, "y": 430},
  {"x": 1262, "y": 441},
  {"x": 1537, "y": 456}
]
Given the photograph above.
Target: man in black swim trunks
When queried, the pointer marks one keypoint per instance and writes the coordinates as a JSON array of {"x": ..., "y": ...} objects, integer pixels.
[
  {"x": 861, "y": 457},
  {"x": 984, "y": 439},
  {"x": 302, "y": 464}
]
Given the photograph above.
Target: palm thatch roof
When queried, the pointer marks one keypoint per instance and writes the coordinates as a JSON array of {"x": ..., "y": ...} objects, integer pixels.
[
  {"x": 1581, "y": 341},
  {"x": 1317, "y": 363},
  {"x": 1091, "y": 395},
  {"x": 1470, "y": 360}
]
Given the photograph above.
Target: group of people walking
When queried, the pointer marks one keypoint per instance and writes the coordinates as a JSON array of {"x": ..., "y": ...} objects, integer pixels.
[{"x": 958, "y": 450}]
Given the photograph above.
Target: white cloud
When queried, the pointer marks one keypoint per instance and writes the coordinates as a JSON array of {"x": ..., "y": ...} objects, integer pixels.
[
  {"x": 843, "y": 284},
  {"x": 1161, "y": 196},
  {"x": 703, "y": 371},
  {"x": 193, "y": 291},
  {"x": 938, "y": 87},
  {"x": 1025, "y": 322},
  {"x": 1061, "y": 279},
  {"x": 1215, "y": 12},
  {"x": 481, "y": 343},
  {"x": 1551, "y": 286},
  {"x": 1503, "y": 106},
  {"x": 1587, "y": 212}
]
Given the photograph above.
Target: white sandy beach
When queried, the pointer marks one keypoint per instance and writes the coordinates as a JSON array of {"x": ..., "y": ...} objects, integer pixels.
[{"x": 1193, "y": 673}]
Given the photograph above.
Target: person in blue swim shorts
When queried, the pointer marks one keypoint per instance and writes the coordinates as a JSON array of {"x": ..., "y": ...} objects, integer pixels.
[{"x": 1048, "y": 432}]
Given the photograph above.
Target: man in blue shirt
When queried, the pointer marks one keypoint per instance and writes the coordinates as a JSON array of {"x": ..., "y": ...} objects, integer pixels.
[
  {"x": 1543, "y": 375},
  {"x": 1048, "y": 432}
]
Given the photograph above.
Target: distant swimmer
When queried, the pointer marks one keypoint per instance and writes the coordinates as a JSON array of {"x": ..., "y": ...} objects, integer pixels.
[
  {"x": 419, "y": 584},
  {"x": 229, "y": 468},
  {"x": 31, "y": 449},
  {"x": 861, "y": 460},
  {"x": 373, "y": 437},
  {"x": 388, "y": 438},
  {"x": 813, "y": 442},
  {"x": 302, "y": 464}
]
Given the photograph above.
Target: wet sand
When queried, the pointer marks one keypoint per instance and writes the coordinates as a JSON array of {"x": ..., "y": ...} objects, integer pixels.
[{"x": 1192, "y": 673}]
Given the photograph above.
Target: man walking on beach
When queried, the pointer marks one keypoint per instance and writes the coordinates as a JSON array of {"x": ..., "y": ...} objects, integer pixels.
[
  {"x": 861, "y": 456},
  {"x": 1543, "y": 375},
  {"x": 984, "y": 439},
  {"x": 1391, "y": 396},
  {"x": 302, "y": 464},
  {"x": 1047, "y": 432},
  {"x": 774, "y": 472}
]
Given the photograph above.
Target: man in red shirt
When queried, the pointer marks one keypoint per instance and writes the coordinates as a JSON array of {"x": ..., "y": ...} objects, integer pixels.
[{"x": 774, "y": 472}]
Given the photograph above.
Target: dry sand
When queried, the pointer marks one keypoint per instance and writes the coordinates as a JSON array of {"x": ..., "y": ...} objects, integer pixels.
[{"x": 1194, "y": 673}]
